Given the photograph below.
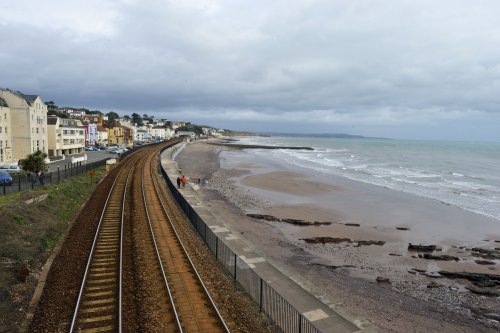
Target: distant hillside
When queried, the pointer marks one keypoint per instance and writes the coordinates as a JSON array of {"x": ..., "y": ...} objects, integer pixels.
[{"x": 317, "y": 135}]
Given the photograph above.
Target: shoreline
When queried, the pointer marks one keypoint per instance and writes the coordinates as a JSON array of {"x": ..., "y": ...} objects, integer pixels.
[{"x": 362, "y": 272}]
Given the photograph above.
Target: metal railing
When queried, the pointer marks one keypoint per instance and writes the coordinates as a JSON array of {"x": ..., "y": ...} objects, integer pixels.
[
  {"x": 274, "y": 306},
  {"x": 28, "y": 181}
]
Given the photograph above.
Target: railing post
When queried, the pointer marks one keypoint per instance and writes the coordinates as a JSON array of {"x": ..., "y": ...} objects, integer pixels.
[
  {"x": 260, "y": 295},
  {"x": 235, "y": 258},
  {"x": 300, "y": 323},
  {"x": 216, "y": 248}
]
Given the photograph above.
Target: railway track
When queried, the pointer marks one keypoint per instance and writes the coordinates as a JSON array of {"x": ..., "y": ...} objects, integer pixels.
[
  {"x": 138, "y": 275},
  {"x": 98, "y": 307},
  {"x": 191, "y": 301}
]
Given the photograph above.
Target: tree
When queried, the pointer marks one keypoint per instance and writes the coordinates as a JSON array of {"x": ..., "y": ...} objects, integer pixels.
[
  {"x": 112, "y": 116},
  {"x": 51, "y": 106},
  {"x": 145, "y": 117},
  {"x": 34, "y": 162},
  {"x": 136, "y": 119}
]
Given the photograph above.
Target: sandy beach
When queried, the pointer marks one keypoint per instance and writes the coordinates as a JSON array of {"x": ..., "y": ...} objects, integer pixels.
[{"x": 347, "y": 242}]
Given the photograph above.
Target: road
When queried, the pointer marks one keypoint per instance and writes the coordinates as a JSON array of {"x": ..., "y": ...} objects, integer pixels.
[{"x": 92, "y": 156}]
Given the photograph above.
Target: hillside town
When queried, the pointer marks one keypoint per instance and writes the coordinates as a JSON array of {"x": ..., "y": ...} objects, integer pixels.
[{"x": 28, "y": 124}]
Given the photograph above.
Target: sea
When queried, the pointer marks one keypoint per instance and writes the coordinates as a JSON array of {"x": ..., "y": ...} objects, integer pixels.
[{"x": 464, "y": 174}]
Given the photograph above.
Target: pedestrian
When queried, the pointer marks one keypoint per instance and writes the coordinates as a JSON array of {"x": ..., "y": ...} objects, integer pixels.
[
  {"x": 184, "y": 181},
  {"x": 178, "y": 182},
  {"x": 41, "y": 175}
]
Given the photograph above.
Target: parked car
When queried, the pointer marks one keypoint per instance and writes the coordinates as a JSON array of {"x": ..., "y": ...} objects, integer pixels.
[
  {"x": 117, "y": 150},
  {"x": 5, "y": 178},
  {"x": 10, "y": 168}
]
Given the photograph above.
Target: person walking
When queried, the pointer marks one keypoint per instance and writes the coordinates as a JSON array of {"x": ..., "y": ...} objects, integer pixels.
[
  {"x": 41, "y": 175},
  {"x": 178, "y": 182},
  {"x": 184, "y": 181}
]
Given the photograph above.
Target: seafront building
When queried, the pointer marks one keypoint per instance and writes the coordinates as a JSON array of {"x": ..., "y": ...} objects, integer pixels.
[
  {"x": 90, "y": 134},
  {"x": 26, "y": 127},
  {"x": 66, "y": 136},
  {"x": 102, "y": 136},
  {"x": 115, "y": 134},
  {"x": 5, "y": 132},
  {"x": 28, "y": 123},
  {"x": 141, "y": 135}
]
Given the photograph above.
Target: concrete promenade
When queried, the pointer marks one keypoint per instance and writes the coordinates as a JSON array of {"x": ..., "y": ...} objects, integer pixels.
[{"x": 319, "y": 314}]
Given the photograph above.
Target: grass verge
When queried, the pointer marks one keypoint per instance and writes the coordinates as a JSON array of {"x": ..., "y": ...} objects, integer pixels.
[{"x": 28, "y": 234}]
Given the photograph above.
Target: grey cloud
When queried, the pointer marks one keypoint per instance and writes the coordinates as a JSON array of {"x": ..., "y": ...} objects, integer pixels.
[{"x": 356, "y": 63}]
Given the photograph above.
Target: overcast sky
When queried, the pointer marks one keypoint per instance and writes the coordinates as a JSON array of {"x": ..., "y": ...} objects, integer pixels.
[{"x": 403, "y": 69}]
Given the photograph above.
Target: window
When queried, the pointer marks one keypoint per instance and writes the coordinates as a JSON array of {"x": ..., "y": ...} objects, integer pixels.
[
  {"x": 0, "y": 131},
  {"x": 37, "y": 130}
]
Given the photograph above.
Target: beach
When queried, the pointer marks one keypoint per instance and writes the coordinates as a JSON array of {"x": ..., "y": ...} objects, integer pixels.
[{"x": 347, "y": 242}]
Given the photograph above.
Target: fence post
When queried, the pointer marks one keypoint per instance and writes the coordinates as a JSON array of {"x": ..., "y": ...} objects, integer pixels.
[
  {"x": 3, "y": 189},
  {"x": 205, "y": 232},
  {"x": 235, "y": 258},
  {"x": 19, "y": 182},
  {"x": 300, "y": 323},
  {"x": 58, "y": 175},
  {"x": 216, "y": 248},
  {"x": 260, "y": 295}
]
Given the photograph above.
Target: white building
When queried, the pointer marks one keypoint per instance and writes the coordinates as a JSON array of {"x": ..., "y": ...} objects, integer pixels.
[
  {"x": 28, "y": 123},
  {"x": 5, "y": 132},
  {"x": 102, "y": 136},
  {"x": 141, "y": 135},
  {"x": 90, "y": 134},
  {"x": 66, "y": 136},
  {"x": 158, "y": 133}
]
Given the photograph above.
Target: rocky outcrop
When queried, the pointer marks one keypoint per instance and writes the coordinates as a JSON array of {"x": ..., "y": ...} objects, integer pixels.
[
  {"x": 423, "y": 248},
  {"x": 290, "y": 221},
  {"x": 444, "y": 257},
  {"x": 482, "y": 283},
  {"x": 335, "y": 240},
  {"x": 485, "y": 253},
  {"x": 325, "y": 240},
  {"x": 381, "y": 279}
]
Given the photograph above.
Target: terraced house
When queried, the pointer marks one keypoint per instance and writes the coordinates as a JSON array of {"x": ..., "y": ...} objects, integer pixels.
[
  {"x": 66, "y": 136},
  {"x": 115, "y": 134},
  {"x": 5, "y": 133},
  {"x": 28, "y": 123}
]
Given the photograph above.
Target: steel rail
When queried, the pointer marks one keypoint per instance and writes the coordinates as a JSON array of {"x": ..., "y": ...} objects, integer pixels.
[
  {"x": 165, "y": 279},
  {"x": 157, "y": 191},
  {"x": 85, "y": 276}
]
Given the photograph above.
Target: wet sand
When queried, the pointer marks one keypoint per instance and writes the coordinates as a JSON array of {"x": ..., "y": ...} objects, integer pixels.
[{"x": 344, "y": 274}]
